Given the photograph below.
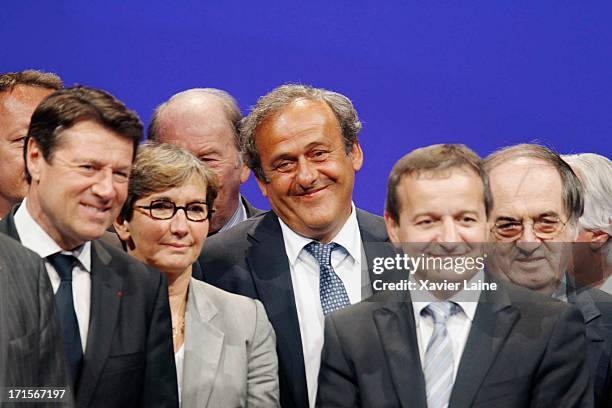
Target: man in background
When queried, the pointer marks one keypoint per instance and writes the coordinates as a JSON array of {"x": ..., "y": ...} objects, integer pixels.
[
  {"x": 593, "y": 248},
  {"x": 20, "y": 93},
  {"x": 537, "y": 204},
  {"x": 206, "y": 122}
]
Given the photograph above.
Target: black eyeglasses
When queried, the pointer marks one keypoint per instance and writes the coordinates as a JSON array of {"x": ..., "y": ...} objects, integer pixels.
[
  {"x": 196, "y": 211},
  {"x": 545, "y": 228}
]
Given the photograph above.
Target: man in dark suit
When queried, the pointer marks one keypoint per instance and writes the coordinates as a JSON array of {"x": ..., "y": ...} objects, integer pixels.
[
  {"x": 113, "y": 310},
  {"x": 31, "y": 349},
  {"x": 309, "y": 255},
  {"x": 206, "y": 121},
  {"x": 457, "y": 337},
  {"x": 538, "y": 201}
]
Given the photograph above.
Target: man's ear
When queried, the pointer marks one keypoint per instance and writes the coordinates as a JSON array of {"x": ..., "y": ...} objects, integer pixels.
[
  {"x": 392, "y": 229},
  {"x": 356, "y": 155},
  {"x": 245, "y": 172},
  {"x": 34, "y": 159},
  {"x": 263, "y": 186},
  {"x": 596, "y": 239}
]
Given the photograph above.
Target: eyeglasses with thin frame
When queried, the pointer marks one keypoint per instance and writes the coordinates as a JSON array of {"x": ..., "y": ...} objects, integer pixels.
[
  {"x": 545, "y": 228},
  {"x": 196, "y": 211}
]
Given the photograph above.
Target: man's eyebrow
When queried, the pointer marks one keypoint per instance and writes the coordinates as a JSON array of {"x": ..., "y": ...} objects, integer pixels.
[
  {"x": 549, "y": 214},
  {"x": 505, "y": 218}
]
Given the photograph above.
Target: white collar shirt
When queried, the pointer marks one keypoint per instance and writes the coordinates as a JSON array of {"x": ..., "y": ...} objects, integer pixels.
[
  {"x": 305, "y": 273},
  {"x": 458, "y": 325},
  {"x": 35, "y": 238}
]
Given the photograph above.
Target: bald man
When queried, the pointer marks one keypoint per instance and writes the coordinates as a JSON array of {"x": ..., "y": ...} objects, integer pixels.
[{"x": 206, "y": 122}]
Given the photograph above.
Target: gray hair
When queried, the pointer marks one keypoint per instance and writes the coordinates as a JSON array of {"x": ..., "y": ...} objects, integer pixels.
[
  {"x": 595, "y": 172},
  {"x": 30, "y": 77},
  {"x": 283, "y": 96},
  {"x": 572, "y": 194},
  {"x": 230, "y": 107}
]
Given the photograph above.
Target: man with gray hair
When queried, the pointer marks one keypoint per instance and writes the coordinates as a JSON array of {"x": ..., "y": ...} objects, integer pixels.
[
  {"x": 20, "y": 93},
  {"x": 206, "y": 121},
  {"x": 593, "y": 250},
  {"x": 537, "y": 202},
  {"x": 308, "y": 256}
]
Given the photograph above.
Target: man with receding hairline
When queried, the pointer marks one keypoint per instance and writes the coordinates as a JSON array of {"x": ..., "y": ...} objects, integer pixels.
[
  {"x": 537, "y": 204},
  {"x": 308, "y": 256},
  {"x": 206, "y": 121}
]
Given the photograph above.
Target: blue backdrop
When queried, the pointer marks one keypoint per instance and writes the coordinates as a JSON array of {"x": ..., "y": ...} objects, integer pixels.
[{"x": 485, "y": 73}]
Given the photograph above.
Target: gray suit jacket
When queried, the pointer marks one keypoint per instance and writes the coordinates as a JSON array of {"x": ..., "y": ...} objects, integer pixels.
[
  {"x": 31, "y": 350},
  {"x": 230, "y": 351}
]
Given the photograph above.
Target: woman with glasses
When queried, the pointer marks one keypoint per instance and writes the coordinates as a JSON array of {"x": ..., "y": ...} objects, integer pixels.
[{"x": 224, "y": 345}]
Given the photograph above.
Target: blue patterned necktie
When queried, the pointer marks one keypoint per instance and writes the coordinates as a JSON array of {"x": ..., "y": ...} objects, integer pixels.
[
  {"x": 438, "y": 367},
  {"x": 64, "y": 303},
  {"x": 331, "y": 289}
]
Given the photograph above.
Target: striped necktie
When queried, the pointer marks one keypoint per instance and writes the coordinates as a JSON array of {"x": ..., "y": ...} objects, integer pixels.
[{"x": 438, "y": 367}]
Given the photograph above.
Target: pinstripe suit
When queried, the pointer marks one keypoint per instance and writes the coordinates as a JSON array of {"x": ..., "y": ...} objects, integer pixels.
[{"x": 31, "y": 352}]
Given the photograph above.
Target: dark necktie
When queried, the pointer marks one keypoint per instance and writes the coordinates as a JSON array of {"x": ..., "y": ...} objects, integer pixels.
[
  {"x": 64, "y": 303},
  {"x": 331, "y": 289}
]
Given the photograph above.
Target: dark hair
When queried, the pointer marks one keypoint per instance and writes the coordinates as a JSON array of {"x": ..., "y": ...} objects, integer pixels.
[
  {"x": 573, "y": 196},
  {"x": 161, "y": 166},
  {"x": 30, "y": 77},
  {"x": 437, "y": 157},
  {"x": 283, "y": 96},
  {"x": 64, "y": 108}
]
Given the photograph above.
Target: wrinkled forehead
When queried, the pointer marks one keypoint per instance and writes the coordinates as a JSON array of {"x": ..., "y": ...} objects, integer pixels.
[{"x": 526, "y": 187}]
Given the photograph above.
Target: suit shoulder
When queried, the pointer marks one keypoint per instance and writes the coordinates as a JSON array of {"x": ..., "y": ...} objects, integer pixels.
[
  {"x": 123, "y": 263},
  {"x": 225, "y": 300}
]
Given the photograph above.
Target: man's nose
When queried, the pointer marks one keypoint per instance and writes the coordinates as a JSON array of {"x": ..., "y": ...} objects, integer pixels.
[
  {"x": 104, "y": 186},
  {"x": 306, "y": 173},
  {"x": 528, "y": 242},
  {"x": 449, "y": 236}
]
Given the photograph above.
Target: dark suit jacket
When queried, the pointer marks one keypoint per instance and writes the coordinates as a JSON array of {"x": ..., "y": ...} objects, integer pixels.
[
  {"x": 523, "y": 350},
  {"x": 596, "y": 309},
  {"x": 129, "y": 359},
  {"x": 250, "y": 210},
  {"x": 250, "y": 260},
  {"x": 31, "y": 349}
]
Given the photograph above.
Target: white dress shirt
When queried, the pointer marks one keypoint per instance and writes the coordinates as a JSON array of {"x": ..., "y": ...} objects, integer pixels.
[
  {"x": 458, "y": 325},
  {"x": 34, "y": 237},
  {"x": 305, "y": 273},
  {"x": 239, "y": 215}
]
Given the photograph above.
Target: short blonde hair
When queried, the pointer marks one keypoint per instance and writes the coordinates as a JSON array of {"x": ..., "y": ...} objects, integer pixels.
[{"x": 161, "y": 166}]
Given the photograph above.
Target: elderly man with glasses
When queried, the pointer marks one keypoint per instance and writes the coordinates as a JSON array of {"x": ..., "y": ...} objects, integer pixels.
[{"x": 537, "y": 201}]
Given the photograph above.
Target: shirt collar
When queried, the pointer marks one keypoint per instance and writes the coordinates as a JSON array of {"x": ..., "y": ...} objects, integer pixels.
[
  {"x": 348, "y": 237},
  {"x": 35, "y": 238},
  {"x": 238, "y": 216},
  {"x": 468, "y": 308}
]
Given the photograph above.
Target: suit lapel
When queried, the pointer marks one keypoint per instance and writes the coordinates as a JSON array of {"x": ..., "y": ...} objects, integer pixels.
[
  {"x": 201, "y": 364},
  {"x": 268, "y": 262},
  {"x": 396, "y": 329},
  {"x": 374, "y": 240},
  {"x": 105, "y": 304},
  {"x": 492, "y": 323},
  {"x": 7, "y": 224}
]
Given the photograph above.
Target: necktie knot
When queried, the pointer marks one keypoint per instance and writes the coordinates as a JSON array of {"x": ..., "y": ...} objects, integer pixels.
[
  {"x": 321, "y": 252},
  {"x": 441, "y": 311},
  {"x": 63, "y": 264}
]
